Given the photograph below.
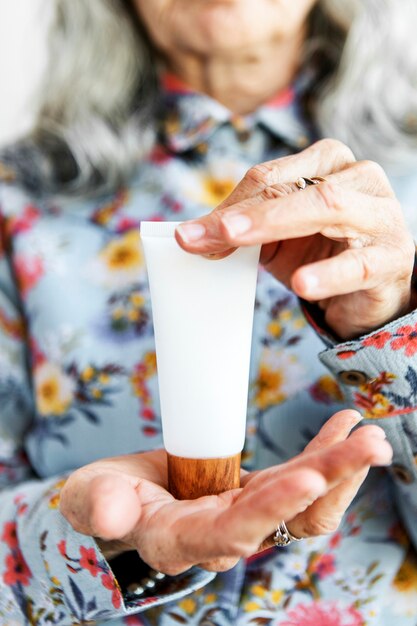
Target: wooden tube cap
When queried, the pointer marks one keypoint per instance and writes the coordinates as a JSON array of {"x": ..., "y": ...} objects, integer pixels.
[{"x": 192, "y": 478}]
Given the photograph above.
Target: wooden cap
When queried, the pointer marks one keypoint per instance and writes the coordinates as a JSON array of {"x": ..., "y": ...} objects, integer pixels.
[{"x": 192, "y": 478}]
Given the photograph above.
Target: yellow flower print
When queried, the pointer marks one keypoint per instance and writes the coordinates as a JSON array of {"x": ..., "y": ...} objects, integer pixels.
[
  {"x": 267, "y": 598},
  {"x": 103, "y": 214},
  {"x": 251, "y": 606},
  {"x": 268, "y": 385},
  {"x": 137, "y": 299},
  {"x": 55, "y": 497},
  {"x": 406, "y": 578},
  {"x": 188, "y": 605},
  {"x": 286, "y": 315},
  {"x": 283, "y": 320},
  {"x": 216, "y": 189},
  {"x": 123, "y": 253},
  {"x": 258, "y": 591},
  {"x": 326, "y": 390},
  {"x": 382, "y": 406},
  {"x": 277, "y": 595},
  {"x": 279, "y": 376},
  {"x": 299, "y": 323},
  {"x": 88, "y": 373},
  {"x": 403, "y": 596},
  {"x": 275, "y": 329},
  {"x": 54, "y": 501},
  {"x": 120, "y": 263},
  {"x": 150, "y": 363},
  {"x": 53, "y": 389},
  {"x": 210, "y": 598},
  {"x": 371, "y": 397}
]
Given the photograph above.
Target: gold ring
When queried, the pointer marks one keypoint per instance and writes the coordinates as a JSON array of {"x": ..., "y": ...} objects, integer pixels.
[{"x": 303, "y": 181}]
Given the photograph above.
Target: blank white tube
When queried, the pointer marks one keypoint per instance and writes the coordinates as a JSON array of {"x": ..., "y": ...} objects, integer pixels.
[{"x": 203, "y": 316}]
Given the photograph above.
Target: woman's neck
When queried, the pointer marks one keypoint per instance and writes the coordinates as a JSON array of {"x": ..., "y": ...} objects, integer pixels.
[{"x": 243, "y": 80}]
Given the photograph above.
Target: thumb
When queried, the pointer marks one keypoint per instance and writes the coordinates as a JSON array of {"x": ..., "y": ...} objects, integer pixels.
[{"x": 105, "y": 505}]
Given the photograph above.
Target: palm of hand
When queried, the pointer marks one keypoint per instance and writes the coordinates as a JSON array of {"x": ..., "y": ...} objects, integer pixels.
[{"x": 125, "y": 499}]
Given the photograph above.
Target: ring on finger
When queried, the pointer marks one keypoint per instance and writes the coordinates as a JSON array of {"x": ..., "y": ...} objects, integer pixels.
[
  {"x": 303, "y": 181},
  {"x": 283, "y": 537}
]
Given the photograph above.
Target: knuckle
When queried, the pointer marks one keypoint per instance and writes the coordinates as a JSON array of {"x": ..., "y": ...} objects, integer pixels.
[
  {"x": 366, "y": 267},
  {"x": 376, "y": 178},
  {"x": 337, "y": 147},
  {"x": 280, "y": 190},
  {"x": 261, "y": 175},
  {"x": 372, "y": 169},
  {"x": 325, "y": 526},
  {"x": 325, "y": 439}
]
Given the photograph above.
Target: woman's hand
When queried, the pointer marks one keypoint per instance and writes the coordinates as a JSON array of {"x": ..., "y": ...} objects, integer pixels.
[
  {"x": 125, "y": 500},
  {"x": 342, "y": 243}
]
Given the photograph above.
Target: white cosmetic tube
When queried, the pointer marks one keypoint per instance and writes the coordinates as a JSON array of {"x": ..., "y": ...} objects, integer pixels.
[{"x": 203, "y": 317}]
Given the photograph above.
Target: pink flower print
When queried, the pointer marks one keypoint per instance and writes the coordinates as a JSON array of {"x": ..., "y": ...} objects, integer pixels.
[
  {"x": 17, "y": 570},
  {"x": 378, "y": 340},
  {"x": 38, "y": 357},
  {"x": 28, "y": 271},
  {"x": 89, "y": 561},
  {"x": 323, "y": 614},
  {"x": 25, "y": 221},
  {"x": 406, "y": 337},
  {"x": 147, "y": 413},
  {"x": 134, "y": 620},
  {"x": 109, "y": 583},
  {"x": 345, "y": 354},
  {"x": 126, "y": 223},
  {"x": 62, "y": 547},
  {"x": 335, "y": 540},
  {"x": 9, "y": 535},
  {"x": 323, "y": 565}
]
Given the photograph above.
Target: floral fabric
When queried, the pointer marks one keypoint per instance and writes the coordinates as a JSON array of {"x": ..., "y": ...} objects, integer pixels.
[{"x": 78, "y": 382}]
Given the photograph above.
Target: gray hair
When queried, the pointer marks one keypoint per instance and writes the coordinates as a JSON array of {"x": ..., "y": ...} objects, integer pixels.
[
  {"x": 97, "y": 114},
  {"x": 370, "y": 103}
]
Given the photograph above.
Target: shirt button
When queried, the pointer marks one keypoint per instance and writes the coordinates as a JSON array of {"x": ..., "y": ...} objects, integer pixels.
[
  {"x": 402, "y": 474},
  {"x": 354, "y": 378}
]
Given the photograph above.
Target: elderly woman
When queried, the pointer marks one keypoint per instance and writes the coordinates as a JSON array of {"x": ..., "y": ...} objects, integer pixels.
[{"x": 167, "y": 109}]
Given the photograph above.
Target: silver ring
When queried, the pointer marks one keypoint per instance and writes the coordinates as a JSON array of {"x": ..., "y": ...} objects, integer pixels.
[
  {"x": 283, "y": 537},
  {"x": 303, "y": 181}
]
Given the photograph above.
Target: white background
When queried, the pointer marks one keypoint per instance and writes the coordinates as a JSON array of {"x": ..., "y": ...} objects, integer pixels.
[{"x": 23, "y": 40}]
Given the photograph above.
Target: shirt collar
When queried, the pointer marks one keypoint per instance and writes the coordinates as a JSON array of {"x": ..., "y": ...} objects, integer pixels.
[{"x": 189, "y": 118}]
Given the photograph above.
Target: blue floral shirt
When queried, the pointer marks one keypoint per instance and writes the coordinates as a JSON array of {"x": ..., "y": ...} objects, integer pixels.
[{"x": 78, "y": 382}]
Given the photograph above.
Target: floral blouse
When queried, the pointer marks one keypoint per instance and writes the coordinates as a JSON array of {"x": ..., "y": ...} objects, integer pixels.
[{"x": 78, "y": 382}]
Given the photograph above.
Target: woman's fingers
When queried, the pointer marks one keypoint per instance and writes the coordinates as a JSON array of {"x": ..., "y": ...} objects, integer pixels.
[
  {"x": 364, "y": 268},
  {"x": 319, "y": 159},
  {"x": 331, "y": 209},
  {"x": 236, "y": 523},
  {"x": 337, "y": 428},
  {"x": 322, "y": 158},
  {"x": 105, "y": 505},
  {"x": 325, "y": 514},
  {"x": 236, "y": 530}
]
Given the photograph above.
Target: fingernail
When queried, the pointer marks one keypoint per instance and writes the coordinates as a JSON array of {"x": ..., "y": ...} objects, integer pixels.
[
  {"x": 236, "y": 223},
  {"x": 191, "y": 232}
]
